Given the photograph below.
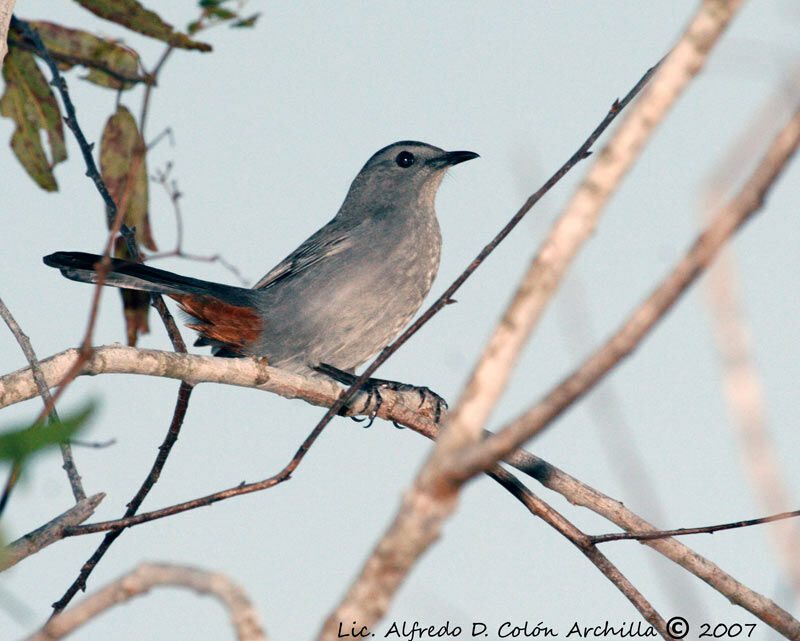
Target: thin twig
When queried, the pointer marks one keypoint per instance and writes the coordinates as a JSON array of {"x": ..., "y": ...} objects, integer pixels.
[
  {"x": 44, "y": 391},
  {"x": 154, "y": 75},
  {"x": 706, "y": 529},
  {"x": 97, "y": 445},
  {"x": 584, "y": 543},
  {"x": 174, "y": 194},
  {"x": 171, "y": 437}
]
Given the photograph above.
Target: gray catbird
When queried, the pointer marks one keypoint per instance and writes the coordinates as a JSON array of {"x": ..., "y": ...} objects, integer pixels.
[{"x": 342, "y": 295}]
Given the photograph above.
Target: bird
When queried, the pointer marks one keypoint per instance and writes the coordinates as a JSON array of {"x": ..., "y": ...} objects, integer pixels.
[{"x": 341, "y": 296}]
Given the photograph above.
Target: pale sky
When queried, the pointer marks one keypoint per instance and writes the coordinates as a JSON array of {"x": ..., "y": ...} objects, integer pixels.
[{"x": 269, "y": 131}]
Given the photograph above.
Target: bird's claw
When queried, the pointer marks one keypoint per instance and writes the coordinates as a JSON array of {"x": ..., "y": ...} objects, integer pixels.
[{"x": 372, "y": 387}]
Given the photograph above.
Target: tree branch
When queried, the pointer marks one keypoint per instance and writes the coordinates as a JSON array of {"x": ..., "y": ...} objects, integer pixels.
[
  {"x": 6, "y": 10},
  {"x": 27, "y": 349},
  {"x": 584, "y": 543},
  {"x": 181, "y": 405},
  {"x": 726, "y": 222},
  {"x": 705, "y": 529},
  {"x": 48, "y": 533},
  {"x": 141, "y": 580}
]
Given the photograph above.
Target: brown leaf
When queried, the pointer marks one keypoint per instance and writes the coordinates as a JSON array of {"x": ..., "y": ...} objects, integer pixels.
[
  {"x": 135, "y": 304},
  {"x": 110, "y": 63},
  {"x": 133, "y": 15},
  {"x": 28, "y": 101},
  {"x": 124, "y": 170}
]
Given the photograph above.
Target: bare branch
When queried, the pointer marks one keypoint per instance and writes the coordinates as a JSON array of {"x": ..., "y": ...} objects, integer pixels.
[
  {"x": 6, "y": 10},
  {"x": 141, "y": 580},
  {"x": 705, "y": 529},
  {"x": 584, "y": 543},
  {"x": 49, "y": 533},
  {"x": 243, "y": 372},
  {"x": 726, "y": 222},
  {"x": 27, "y": 349},
  {"x": 433, "y": 497},
  {"x": 174, "y": 194},
  {"x": 741, "y": 380},
  {"x": 578, "y": 493},
  {"x": 581, "y": 214},
  {"x": 181, "y": 405}
]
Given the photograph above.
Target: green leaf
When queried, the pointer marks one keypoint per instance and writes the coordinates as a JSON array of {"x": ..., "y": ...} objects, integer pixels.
[
  {"x": 29, "y": 102},
  {"x": 19, "y": 444},
  {"x": 208, "y": 4},
  {"x": 109, "y": 63},
  {"x": 124, "y": 169},
  {"x": 222, "y": 14},
  {"x": 131, "y": 14},
  {"x": 246, "y": 22}
]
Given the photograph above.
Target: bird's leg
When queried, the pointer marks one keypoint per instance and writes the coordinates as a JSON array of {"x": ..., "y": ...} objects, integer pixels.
[{"x": 373, "y": 386}]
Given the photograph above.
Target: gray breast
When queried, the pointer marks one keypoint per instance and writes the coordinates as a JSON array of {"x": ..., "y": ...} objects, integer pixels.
[{"x": 346, "y": 308}]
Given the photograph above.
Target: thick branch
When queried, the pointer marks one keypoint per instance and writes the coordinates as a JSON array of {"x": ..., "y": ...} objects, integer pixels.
[
  {"x": 244, "y": 617},
  {"x": 244, "y": 372},
  {"x": 726, "y": 222}
]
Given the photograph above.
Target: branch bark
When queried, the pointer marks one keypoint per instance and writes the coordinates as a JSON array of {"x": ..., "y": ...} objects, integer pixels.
[
  {"x": 66, "y": 450},
  {"x": 48, "y": 533},
  {"x": 141, "y": 580},
  {"x": 6, "y": 10},
  {"x": 244, "y": 372}
]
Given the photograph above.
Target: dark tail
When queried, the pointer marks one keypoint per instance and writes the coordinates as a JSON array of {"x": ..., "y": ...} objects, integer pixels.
[{"x": 81, "y": 267}]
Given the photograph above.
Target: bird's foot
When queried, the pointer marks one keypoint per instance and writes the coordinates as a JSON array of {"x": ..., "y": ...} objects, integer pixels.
[{"x": 373, "y": 386}]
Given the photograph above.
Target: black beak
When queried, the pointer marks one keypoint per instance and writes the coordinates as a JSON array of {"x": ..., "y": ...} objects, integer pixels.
[{"x": 450, "y": 158}]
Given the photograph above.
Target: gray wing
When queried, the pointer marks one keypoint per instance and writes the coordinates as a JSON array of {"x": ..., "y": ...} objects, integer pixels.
[{"x": 327, "y": 242}]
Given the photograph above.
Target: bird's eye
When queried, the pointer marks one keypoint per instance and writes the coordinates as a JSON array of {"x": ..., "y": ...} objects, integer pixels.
[{"x": 404, "y": 159}]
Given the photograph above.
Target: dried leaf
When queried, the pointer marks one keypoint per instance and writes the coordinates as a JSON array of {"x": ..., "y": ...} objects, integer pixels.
[
  {"x": 110, "y": 64},
  {"x": 131, "y": 14},
  {"x": 246, "y": 22},
  {"x": 29, "y": 102},
  {"x": 135, "y": 304},
  {"x": 124, "y": 170}
]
